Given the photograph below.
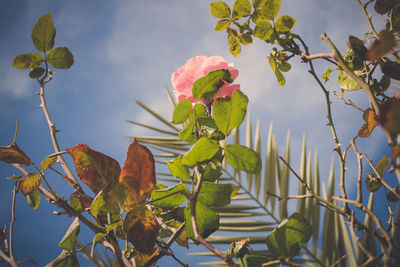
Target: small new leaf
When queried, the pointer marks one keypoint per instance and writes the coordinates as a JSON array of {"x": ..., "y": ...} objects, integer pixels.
[
  {"x": 43, "y": 33},
  {"x": 60, "y": 58},
  {"x": 36, "y": 73}
]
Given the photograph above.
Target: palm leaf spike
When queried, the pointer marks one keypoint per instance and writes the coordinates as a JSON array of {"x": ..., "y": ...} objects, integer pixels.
[
  {"x": 395, "y": 234},
  {"x": 328, "y": 234},
  {"x": 275, "y": 175},
  {"x": 316, "y": 208},
  {"x": 236, "y": 141},
  {"x": 308, "y": 201},
  {"x": 157, "y": 116},
  {"x": 170, "y": 97},
  {"x": 348, "y": 245},
  {"x": 366, "y": 239},
  {"x": 249, "y": 144},
  {"x": 284, "y": 181},
  {"x": 340, "y": 244},
  {"x": 268, "y": 166},
  {"x": 303, "y": 167},
  {"x": 153, "y": 128},
  {"x": 257, "y": 148}
]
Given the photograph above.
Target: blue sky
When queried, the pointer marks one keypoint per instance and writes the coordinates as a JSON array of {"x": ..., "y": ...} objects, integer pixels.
[{"x": 126, "y": 51}]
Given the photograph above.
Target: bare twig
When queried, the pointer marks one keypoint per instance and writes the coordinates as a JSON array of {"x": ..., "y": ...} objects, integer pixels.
[
  {"x": 380, "y": 178},
  {"x": 360, "y": 172},
  {"x": 371, "y": 257},
  {"x": 348, "y": 101},
  {"x": 368, "y": 17}
]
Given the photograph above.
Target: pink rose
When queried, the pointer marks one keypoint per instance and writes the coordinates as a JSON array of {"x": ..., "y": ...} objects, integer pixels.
[{"x": 198, "y": 67}]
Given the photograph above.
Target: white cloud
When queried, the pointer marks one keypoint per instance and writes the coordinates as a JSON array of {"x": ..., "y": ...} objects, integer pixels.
[{"x": 15, "y": 83}]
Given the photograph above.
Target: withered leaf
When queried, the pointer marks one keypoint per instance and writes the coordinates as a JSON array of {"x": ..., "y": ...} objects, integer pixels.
[
  {"x": 141, "y": 228},
  {"x": 391, "y": 69},
  {"x": 13, "y": 154},
  {"x": 48, "y": 162},
  {"x": 137, "y": 175},
  {"x": 96, "y": 170},
  {"x": 370, "y": 119},
  {"x": 389, "y": 116},
  {"x": 357, "y": 46},
  {"x": 142, "y": 258},
  {"x": 382, "y": 46},
  {"x": 30, "y": 183},
  {"x": 383, "y": 6},
  {"x": 396, "y": 151}
]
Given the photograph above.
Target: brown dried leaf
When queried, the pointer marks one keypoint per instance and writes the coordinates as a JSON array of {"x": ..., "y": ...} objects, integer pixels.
[
  {"x": 389, "y": 117},
  {"x": 383, "y": 6},
  {"x": 371, "y": 122},
  {"x": 142, "y": 258},
  {"x": 13, "y": 154},
  {"x": 382, "y": 46},
  {"x": 30, "y": 183},
  {"x": 96, "y": 170},
  {"x": 141, "y": 228},
  {"x": 391, "y": 69},
  {"x": 137, "y": 175},
  {"x": 396, "y": 151}
]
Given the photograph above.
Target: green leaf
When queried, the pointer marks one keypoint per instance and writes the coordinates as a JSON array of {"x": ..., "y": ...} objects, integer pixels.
[
  {"x": 48, "y": 162},
  {"x": 241, "y": 8},
  {"x": 220, "y": 10},
  {"x": 36, "y": 73},
  {"x": 279, "y": 76},
  {"x": 327, "y": 75},
  {"x": 243, "y": 158},
  {"x": 206, "y": 219},
  {"x": 28, "y": 61},
  {"x": 187, "y": 134},
  {"x": 14, "y": 178},
  {"x": 289, "y": 237},
  {"x": 246, "y": 39},
  {"x": 284, "y": 23},
  {"x": 178, "y": 170},
  {"x": 202, "y": 150},
  {"x": 216, "y": 195},
  {"x": 181, "y": 111},
  {"x": 222, "y": 25},
  {"x": 70, "y": 237},
  {"x": 60, "y": 58},
  {"x": 100, "y": 207},
  {"x": 285, "y": 67},
  {"x": 382, "y": 165},
  {"x": 230, "y": 113},
  {"x": 209, "y": 84},
  {"x": 65, "y": 259},
  {"x": 270, "y": 9},
  {"x": 372, "y": 183},
  {"x": 212, "y": 171},
  {"x": 170, "y": 197},
  {"x": 76, "y": 203},
  {"x": 347, "y": 83},
  {"x": 33, "y": 199},
  {"x": 43, "y": 33},
  {"x": 234, "y": 45},
  {"x": 96, "y": 240},
  {"x": 255, "y": 260},
  {"x": 263, "y": 30}
]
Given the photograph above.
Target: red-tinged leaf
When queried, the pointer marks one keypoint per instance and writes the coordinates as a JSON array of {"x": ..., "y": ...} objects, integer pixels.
[
  {"x": 382, "y": 46},
  {"x": 13, "y": 154},
  {"x": 141, "y": 228},
  {"x": 96, "y": 170},
  {"x": 30, "y": 183},
  {"x": 137, "y": 175},
  {"x": 389, "y": 117},
  {"x": 371, "y": 122}
]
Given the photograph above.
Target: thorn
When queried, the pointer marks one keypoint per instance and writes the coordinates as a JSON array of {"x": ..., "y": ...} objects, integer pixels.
[{"x": 57, "y": 131}]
